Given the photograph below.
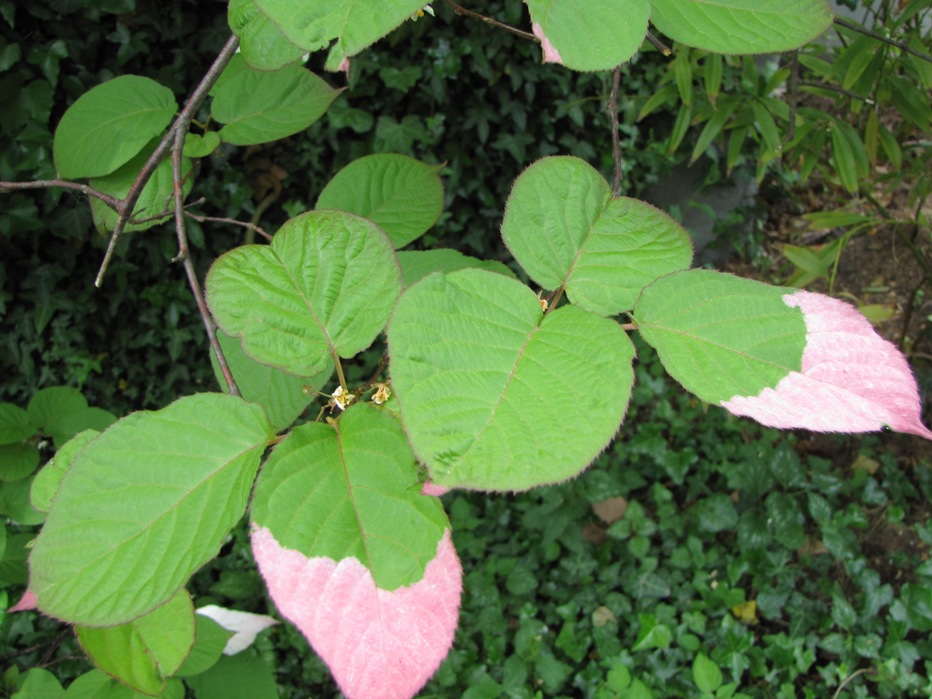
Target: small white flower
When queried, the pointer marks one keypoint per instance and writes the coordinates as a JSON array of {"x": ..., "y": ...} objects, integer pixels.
[{"x": 342, "y": 398}]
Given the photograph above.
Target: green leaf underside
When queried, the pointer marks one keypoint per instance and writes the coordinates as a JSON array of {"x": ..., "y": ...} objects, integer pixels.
[
  {"x": 110, "y": 124},
  {"x": 156, "y": 197},
  {"x": 400, "y": 194},
  {"x": 143, "y": 506},
  {"x": 327, "y": 281},
  {"x": 49, "y": 478},
  {"x": 313, "y": 24},
  {"x": 351, "y": 490},
  {"x": 742, "y": 26},
  {"x": 142, "y": 652},
  {"x": 592, "y": 35},
  {"x": 719, "y": 335},
  {"x": 417, "y": 264},
  {"x": 210, "y": 638},
  {"x": 563, "y": 227},
  {"x": 263, "y": 45},
  {"x": 496, "y": 396},
  {"x": 283, "y": 396},
  {"x": 258, "y": 107}
]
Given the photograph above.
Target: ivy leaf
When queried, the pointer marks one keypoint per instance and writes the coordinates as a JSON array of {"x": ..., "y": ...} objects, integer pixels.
[
  {"x": 592, "y": 35},
  {"x": 785, "y": 358},
  {"x": 496, "y": 396},
  {"x": 355, "y": 556},
  {"x": 402, "y": 195},
  {"x": 326, "y": 283},
  {"x": 258, "y": 107},
  {"x": 262, "y": 43},
  {"x": 313, "y": 24},
  {"x": 141, "y": 653},
  {"x": 109, "y": 124},
  {"x": 565, "y": 229},
  {"x": 143, "y": 506},
  {"x": 742, "y": 26}
]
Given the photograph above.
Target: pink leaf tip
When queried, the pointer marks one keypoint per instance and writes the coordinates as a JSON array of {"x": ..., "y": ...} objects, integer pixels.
[
  {"x": 432, "y": 489},
  {"x": 852, "y": 380},
  {"x": 379, "y": 644},
  {"x": 26, "y": 602},
  {"x": 551, "y": 55}
]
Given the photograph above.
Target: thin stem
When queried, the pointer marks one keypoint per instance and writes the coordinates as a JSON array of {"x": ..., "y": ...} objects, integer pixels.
[
  {"x": 612, "y": 108},
  {"x": 853, "y": 26},
  {"x": 231, "y": 221},
  {"x": 836, "y": 88},
  {"x": 185, "y": 256},
  {"x": 181, "y": 125},
  {"x": 659, "y": 45},
  {"x": 792, "y": 96},
  {"x": 848, "y": 679},
  {"x": 460, "y": 10},
  {"x": 86, "y": 190},
  {"x": 908, "y": 313},
  {"x": 339, "y": 368}
]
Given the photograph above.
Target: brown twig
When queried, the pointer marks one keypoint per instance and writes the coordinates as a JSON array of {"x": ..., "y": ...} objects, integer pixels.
[
  {"x": 460, "y": 10},
  {"x": 836, "y": 88},
  {"x": 231, "y": 221},
  {"x": 86, "y": 190},
  {"x": 612, "y": 108},
  {"x": 182, "y": 124},
  {"x": 847, "y": 24},
  {"x": 185, "y": 257},
  {"x": 659, "y": 45}
]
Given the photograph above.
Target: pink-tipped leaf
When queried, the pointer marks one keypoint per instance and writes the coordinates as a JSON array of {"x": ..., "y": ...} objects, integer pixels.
[
  {"x": 852, "y": 380},
  {"x": 379, "y": 644}
]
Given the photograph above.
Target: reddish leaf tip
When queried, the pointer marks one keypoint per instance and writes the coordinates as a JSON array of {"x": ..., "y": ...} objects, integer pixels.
[
  {"x": 379, "y": 644},
  {"x": 852, "y": 380},
  {"x": 551, "y": 55},
  {"x": 26, "y": 602}
]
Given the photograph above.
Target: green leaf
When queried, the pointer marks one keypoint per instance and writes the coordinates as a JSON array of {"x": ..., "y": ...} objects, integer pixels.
[
  {"x": 39, "y": 684},
  {"x": 565, "y": 229},
  {"x": 200, "y": 146},
  {"x": 351, "y": 490},
  {"x": 325, "y": 284},
  {"x": 51, "y": 405},
  {"x": 87, "y": 419},
  {"x": 142, "y": 652},
  {"x": 313, "y": 24},
  {"x": 742, "y": 26},
  {"x": 594, "y": 35},
  {"x": 46, "y": 482},
  {"x": 844, "y": 158},
  {"x": 807, "y": 260},
  {"x": 144, "y": 505},
  {"x": 262, "y": 43},
  {"x": 17, "y": 461},
  {"x": 283, "y": 396},
  {"x": 155, "y": 204},
  {"x": 15, "y": 424},
  {"x": 14, "y": 502},
  {"x": 652, "y": 634},
  {"x": 400, "y": 194},
  {"x": 496, "y": 396},
  {"x": 260, "y": 107},
  {"x": 706, "y": 674},
  {"x": 417, "y": 264},
  {"x": 240, "y": 675},
  {"x": 210, "y": 638},
  {"x": 109, "y": 124},
  {"x": 720, "y": 335}
]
